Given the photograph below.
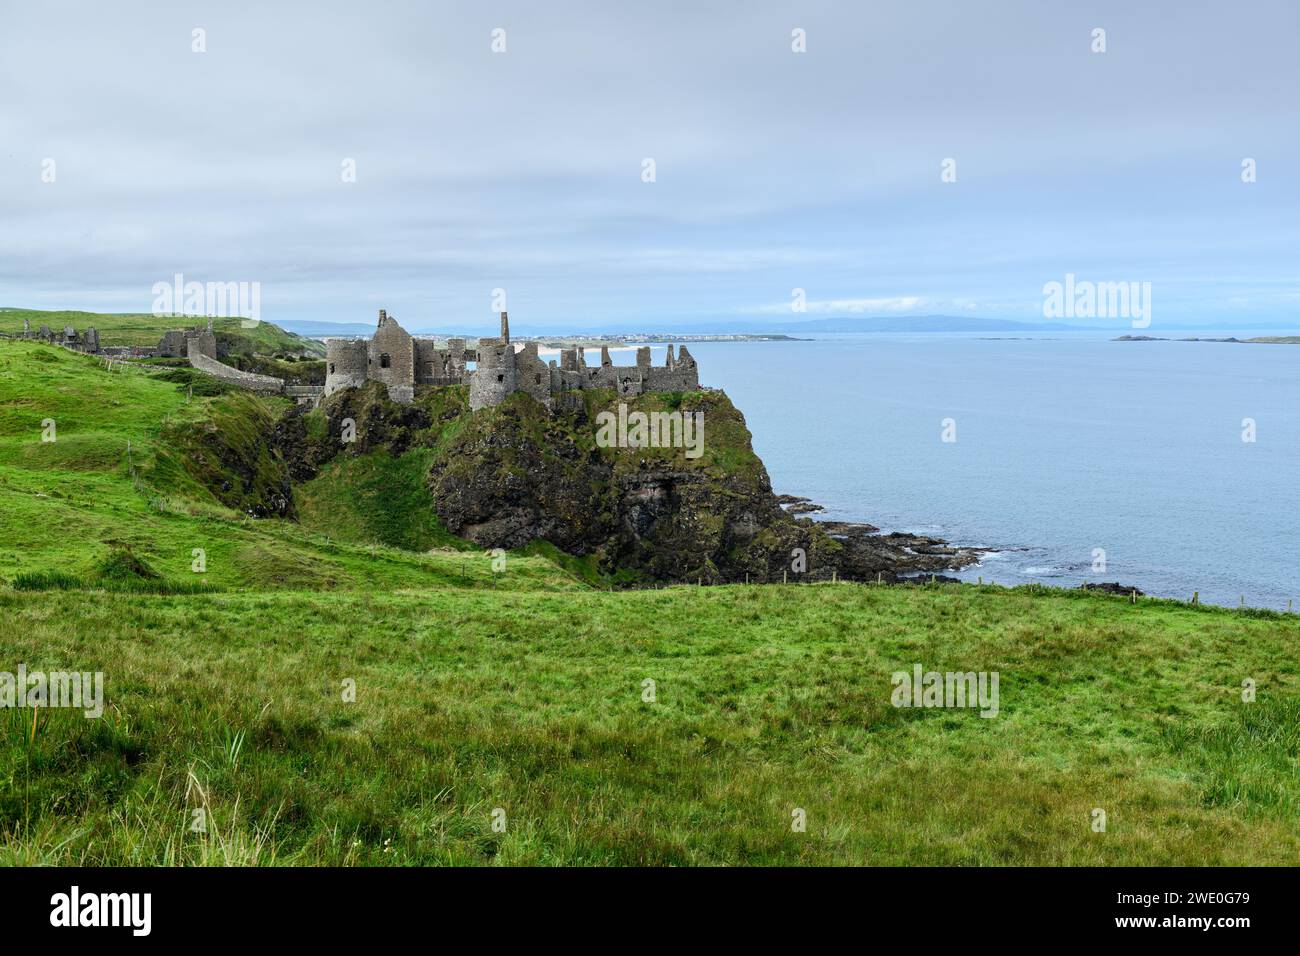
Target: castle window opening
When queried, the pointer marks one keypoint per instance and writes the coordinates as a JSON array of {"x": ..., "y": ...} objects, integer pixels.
[
  {"x": 385, "y": 361},
  {"x": 331, "y": 368},
  {"x": 501, "y": 378}
]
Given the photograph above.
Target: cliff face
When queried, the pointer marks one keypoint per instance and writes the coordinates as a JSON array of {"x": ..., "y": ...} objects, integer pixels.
[{"x": 514, "y": 473}]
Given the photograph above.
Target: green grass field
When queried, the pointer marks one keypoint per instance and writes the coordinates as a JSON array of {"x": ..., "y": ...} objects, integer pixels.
[
  {"x": 141, "y": 329},
  {"x": 525, "y": 692}
]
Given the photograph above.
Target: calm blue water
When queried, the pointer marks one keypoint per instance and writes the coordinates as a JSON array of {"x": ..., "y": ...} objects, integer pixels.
[{"x": 1065, "y": 443}]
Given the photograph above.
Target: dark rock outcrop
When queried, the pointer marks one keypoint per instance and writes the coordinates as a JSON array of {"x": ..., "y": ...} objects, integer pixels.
[
  {"x": 1111, "y": 587},
  {"x": 516, "y": 473}
]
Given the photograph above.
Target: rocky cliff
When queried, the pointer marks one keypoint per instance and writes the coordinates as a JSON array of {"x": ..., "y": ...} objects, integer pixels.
[
  {"x": 507, "y": 476},
  {"x": 515, "y": 473}
]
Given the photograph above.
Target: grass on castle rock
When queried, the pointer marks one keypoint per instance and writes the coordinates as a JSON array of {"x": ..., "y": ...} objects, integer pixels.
[{"x": 524, "y": 691}]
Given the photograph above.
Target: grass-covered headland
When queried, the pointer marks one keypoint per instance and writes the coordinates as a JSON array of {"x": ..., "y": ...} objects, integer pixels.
[{"x": 341, "y": 687}]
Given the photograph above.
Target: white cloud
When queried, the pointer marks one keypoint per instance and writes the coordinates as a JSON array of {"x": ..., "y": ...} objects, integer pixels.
[{"x": 522, "y": 170}]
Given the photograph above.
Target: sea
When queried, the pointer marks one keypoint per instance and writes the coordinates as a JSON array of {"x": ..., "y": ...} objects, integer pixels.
[{"x": 1169, "y": 466}]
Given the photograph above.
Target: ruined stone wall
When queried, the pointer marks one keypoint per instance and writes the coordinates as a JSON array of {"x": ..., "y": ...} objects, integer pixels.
[
  {"x": 532, "y": 375},
  {"x": 435, "y": 366},
  {"x": 430, "y": 362},
  {"x": 176, "y": 343},
  {"x": 460, "y": 357},
  {"x": 604, "y": 376},
  {"x": 248, "y": 380},
  {"x": 172, "y": 344},
  {"x": 678, "y": 374},
  {"x": 630, "y": 381},
  {"x": 661, "y": 379}
]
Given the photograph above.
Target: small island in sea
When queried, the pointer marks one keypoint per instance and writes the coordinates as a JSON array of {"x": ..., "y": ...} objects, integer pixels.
[{"x": 1256, "y": 340}]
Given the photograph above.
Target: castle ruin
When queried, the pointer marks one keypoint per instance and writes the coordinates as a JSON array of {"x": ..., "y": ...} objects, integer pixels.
[
  {"x": 176, "y": 343},
  {"x": 69, "y": 338},
  {"x": 399, "y": 360}
]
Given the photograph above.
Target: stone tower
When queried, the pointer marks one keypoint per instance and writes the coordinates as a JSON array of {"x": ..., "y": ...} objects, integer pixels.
[
  {"x": 494, "y": 377},
  {"x": 505, "y": 329},
  {"x": 346, "y": 363}
]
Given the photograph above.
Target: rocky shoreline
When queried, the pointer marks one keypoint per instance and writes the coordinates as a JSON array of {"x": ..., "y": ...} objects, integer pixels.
[
  {"x": 894, "y": 557},
  {"x": 903, "y": 558}
]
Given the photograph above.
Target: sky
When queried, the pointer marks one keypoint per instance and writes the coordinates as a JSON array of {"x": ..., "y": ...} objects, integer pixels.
[{"x": 774, "y": 170}]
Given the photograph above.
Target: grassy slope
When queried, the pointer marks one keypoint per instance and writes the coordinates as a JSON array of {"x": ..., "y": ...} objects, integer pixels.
[
  {"x": 528, "y": 696},
  {"x": 145, "y": 329},
  {"x": 65, "y": 505},
  {"x": 383, "y": 498},
  {"x": 376, "y": 497}
]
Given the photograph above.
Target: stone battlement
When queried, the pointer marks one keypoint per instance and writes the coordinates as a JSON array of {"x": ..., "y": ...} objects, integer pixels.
[{"x": 401, "y": 362}]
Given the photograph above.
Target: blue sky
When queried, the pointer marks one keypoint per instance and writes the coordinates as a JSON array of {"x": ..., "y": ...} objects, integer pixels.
[{"x": 775, "y": 170}]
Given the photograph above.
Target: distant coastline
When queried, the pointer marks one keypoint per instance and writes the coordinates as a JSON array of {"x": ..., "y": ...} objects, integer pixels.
[{"x": 1258, "y": 340}]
